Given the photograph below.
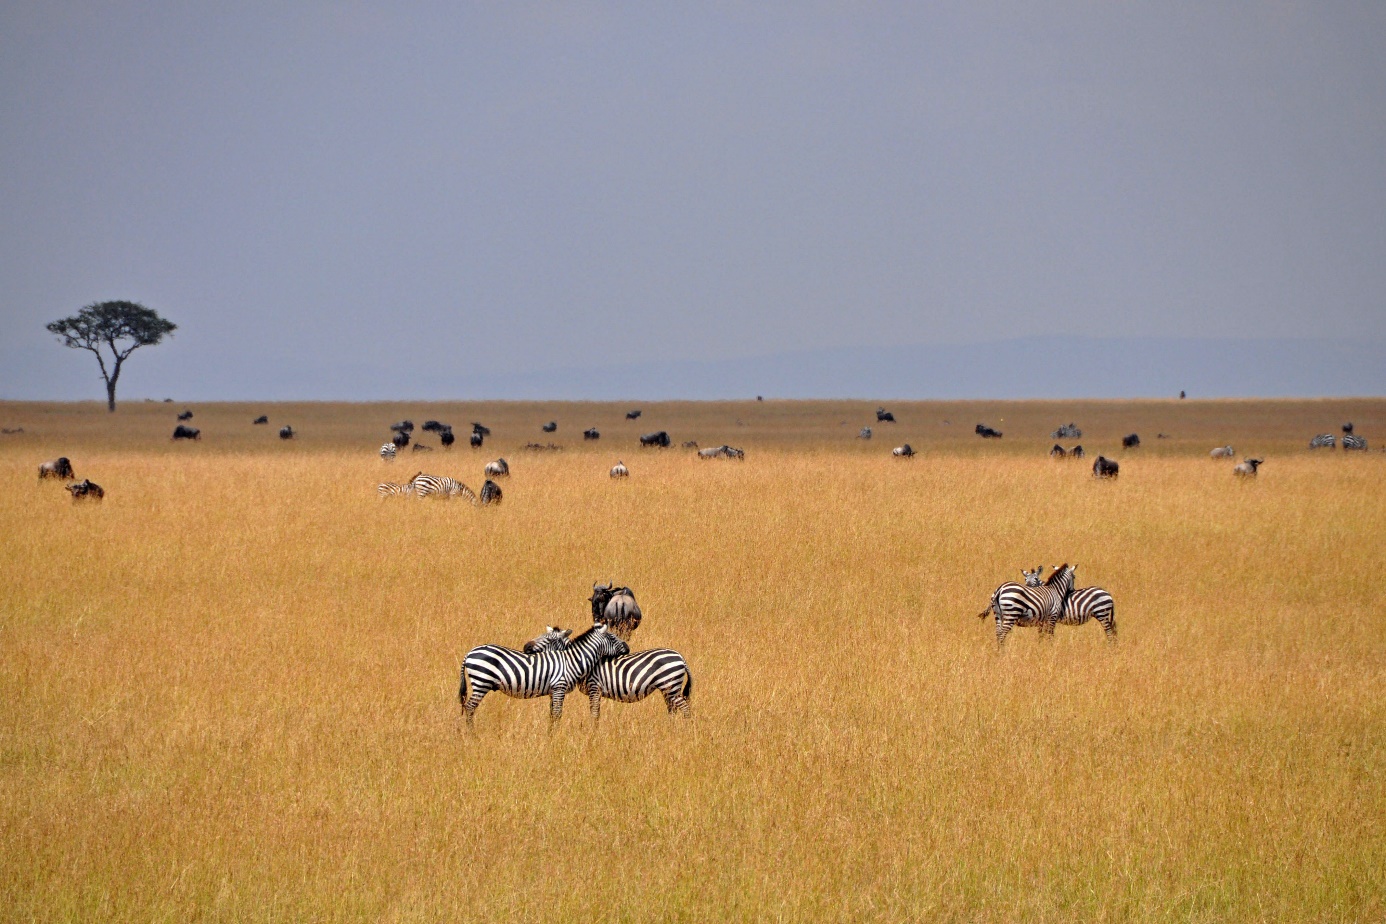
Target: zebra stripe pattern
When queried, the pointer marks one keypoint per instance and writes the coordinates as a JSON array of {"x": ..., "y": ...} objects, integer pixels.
[
  {"x": 1082, "y": 604},
  {"x": 387, "y": 452},
  {"x": 1018, "y": 605},
  {"x": 440, "y": 486},
  {"x": 391, "y": 489},
  {"x": 1322, "y": 441},
  {"x": 630, "y": 678},
  {"x": 546, "y": 673},
  {"x": 1352, "y": 441},
  {"x": 490, "y": 493}
]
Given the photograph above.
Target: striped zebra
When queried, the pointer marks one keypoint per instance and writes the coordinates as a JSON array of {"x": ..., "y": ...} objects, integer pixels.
[
  {"x": 631, "y": 677},
  {"x": 490, "y": 493},
  {"x": 545, "y": 673},
  {"x": 1082, "y": 604},
  {"x": 390, "y": 489},
  {"x": 1018, "y": 605},
  {"x": 387, "y": 452},
  {"x": 1322, "y": 441},
  {"x": 1353, "y": 441},
  {"x": 441, "y": 487}
]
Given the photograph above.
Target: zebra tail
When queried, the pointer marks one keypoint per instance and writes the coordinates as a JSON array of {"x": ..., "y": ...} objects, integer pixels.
[
  {"x": 462, "y": 691},
  {"x": 688, "y": 685}
]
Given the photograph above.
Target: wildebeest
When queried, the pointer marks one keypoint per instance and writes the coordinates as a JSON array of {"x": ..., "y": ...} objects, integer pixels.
[
  {"x": 1058, "y": 452},
  {"x": 181, "y": 432},
  {"x": 1130, "y": 441},
  {"x": 543, "y": 447},
  {"x": 882, "y": 415},
  {"x": 619, "y": 470},
  {"x": 905, "y": 452},
  {"x": 987, "y": 433},
  {"x": 262, "y": 419},
  {"x": 1247, "y": 468},
  {"x": 475, "y": 440},
  {"x": 86, "y": 490},
  {"x": 549, "y": 427},
  {"x": 446, "y": 438},
  {"x": 401, "y": 438},
  {"x": 615, "y": 608},
  {"x": 479, "y": 429},
  {"x": 1181, "y": 394},
  {"x": 1105, "y": 468},
  {"x": 420, "y": 447},
  {"x": 286, "y": 432},
  {"x": 433, "y": 426},
  {"x": 690, "y": 444},
  {"x": 658, "y": 438},
  {"x": 186, "y": 415},
  {"x": 1076, "y": 452},
  {"x": 405, "y": 426},
  {"x": 490, "y": 493},
  {"x": 1221, "y": 452},
  {"x": 497, "y": 469},
  {"x": 591, "y": 433},
  {"x": 633, "y": 415},
  {"x": 865, "y": 433},
  {"x": 60, "y": 467},
  {"x": 1068, "y": 431}
]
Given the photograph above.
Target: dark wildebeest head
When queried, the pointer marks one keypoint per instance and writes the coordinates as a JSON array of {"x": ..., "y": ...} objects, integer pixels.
[
  {"x": 181, "y": 432},
  {"x": 262, "y": 419},
  {"x": 616, "y": 608},
  {"x": 549, "y": 427},
  {"x": 86, "y": 490},
  {"x": 1105, "y": 468},
  {"x": 60, "y": 467},
  {"x": 186, "y": 415},
  {"x": 286, "y": 432},
  {"x": 1130, "y": 441}
]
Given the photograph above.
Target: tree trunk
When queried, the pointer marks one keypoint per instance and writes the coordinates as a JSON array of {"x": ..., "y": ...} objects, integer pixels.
[{"x": 110, "y": 387}]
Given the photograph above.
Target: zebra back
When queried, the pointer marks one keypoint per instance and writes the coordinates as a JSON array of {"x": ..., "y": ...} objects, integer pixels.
[
  {"x": 1352, "y": 441},
  {"x": 390, "y": 488},
  {"x": 1086, "y": 603},
  {"x": 1323, "y": 441},
  {"x": 441, "y": 487},
  {"x": 631, "y": 677}
]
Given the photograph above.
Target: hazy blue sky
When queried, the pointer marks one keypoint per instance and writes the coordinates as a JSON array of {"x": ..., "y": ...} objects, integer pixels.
[{"x": 418, "y": 195}]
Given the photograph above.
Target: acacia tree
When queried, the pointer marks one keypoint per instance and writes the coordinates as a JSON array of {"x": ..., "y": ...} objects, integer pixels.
[{"x": 122, "y": 327}]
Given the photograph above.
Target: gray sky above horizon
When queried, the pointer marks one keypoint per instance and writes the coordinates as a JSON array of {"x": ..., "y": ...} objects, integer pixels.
[{"x": 443, "y": 188}]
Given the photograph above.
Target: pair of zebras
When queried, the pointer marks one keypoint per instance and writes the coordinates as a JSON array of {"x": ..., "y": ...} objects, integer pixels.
[
  {"x": 1046, "y": 603},
  {"x": 1350, "y": 441},
  {"x": 442, "y": 487}
]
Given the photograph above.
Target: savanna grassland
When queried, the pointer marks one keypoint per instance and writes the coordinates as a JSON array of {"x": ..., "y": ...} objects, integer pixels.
[{"x": 229, "y": 692}]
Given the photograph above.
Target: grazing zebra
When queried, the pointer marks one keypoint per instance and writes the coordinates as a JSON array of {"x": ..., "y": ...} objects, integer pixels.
[
  {"x": 619, "y": 470},
  {"x": 546, "y": 673},
  {"x": 1323, "y": 441},
  {"x": 1225, "y": 452},
  {"x": 629, "y": 678},
  {"x": 903, "y": 452},
  {"x": 497, "y": 469},
  {"x": 1353, "y": 441},
  {"x": 1082, "y": 604},
  {"x": 1247, "y": 468},
  {"x": 1068, "y": 431},
  {"x": 1018, "y": 605},
  {"x": 390, "y": 489},
  {"x": 490, "y": 493},
  {"x": 387, "y": 452},
  {"x": 442, "y": 487}
]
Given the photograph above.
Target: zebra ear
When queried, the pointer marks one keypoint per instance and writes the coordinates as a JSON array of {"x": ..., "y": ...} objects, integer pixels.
[{"x": 567, "y": 633}]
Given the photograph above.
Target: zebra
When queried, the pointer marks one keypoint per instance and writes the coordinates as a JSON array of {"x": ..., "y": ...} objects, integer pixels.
[
  {"x": 490, "y": 493},
  {"x": 546, "y": 673},
  {"x": 387, "y": 452},
  {"x": 391, "y": 489},
  {"x": 497, "y": 469},
  {"x": 1018, "y": 605},
  {"x": 865, "y": 433},
  {"x": 631, "y": 677},
  {"x": 1067, "y": 431},
  {"x": 1322, "y": 441},
  {"x": 1351, "y": 440},
  {"x": 1082, "y": 604},
  {"x": 1225, "y": 452},
  {"x": 619, "y": 470},
  {"x": 439, "y": 486}
]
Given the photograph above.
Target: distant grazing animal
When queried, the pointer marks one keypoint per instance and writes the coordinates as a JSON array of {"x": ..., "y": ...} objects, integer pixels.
[
  {"x": 731, "y": 452},
  {"x": 1247, "y": 468},
  {"x": 905, "y": 452},
  {"x": 1020, "y": 605},
  {"x": 1058, "y": 452},
  {"x": 391, "y": 489},
  {"x": 1076, "y": 452},
  {"x": 60, "y": 467},
  {"x": 475, "y": 439},
  {"x": 629, "y": 678},
  {"x": 387, "y": 452},
  {"x": 591, "y": 433},
  {"x": 497, "y": 469},
  {"x": 446, "y": 438},
  {"x": 1105, "y": 468},
  {"x": 658, "y": 438},
  {"x": 1352, "y": 441},
  {"x": 1130, "y": 441},
  {"x": 865, "y": 433},
  {"x": 633, "y": 415},
  {"x": 1082, "y": 604},
  {"x": 524, "y": 676},
  {"x": 721, "y": 452},
  {"x": 186, "y": 415},
  {"x": 433, "y": 426},
  {"x": 619, "y": 470},
  {"x": 712, "y": 452},
  {"x": 549, "y": 427},
  {"x": 181, "y": 432},
  {"x": 420, "y": 447},
  {"x": 884, "y": 416},
  {"x": 543, "y": 447},
  {"x": 286, "y": 433},
  {"x": 262, "y": 419},
  {"x": 441, "y": 488},
  {"x": 86, "y": 490},
  {"x": 11, "y": 430},
  {"x": 404, "y": 426},
  {"x": 987, "y": 433},
  {"x": 1181, "y": 395},
  {"x": 400, "y": 439},
  {"x": 478, "y": 428},
  {"x": 690, "y": 444},
  {"x": 490, "y": 493},
  {"x": 615, "y": 607},
  {"x": 1224, "y": 452},
  {"x": 1162, "y": 436},
  {"x": 1068, "y": 431},
  {"x": 1323, "y": 441}
]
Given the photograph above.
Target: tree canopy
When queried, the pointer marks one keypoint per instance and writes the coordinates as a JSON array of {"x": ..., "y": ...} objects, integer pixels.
[{"x": 122, "y": 327}]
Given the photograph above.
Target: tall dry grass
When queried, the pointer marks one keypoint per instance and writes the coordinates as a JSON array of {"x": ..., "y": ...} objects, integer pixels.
[{"x": 230, "y": 691}]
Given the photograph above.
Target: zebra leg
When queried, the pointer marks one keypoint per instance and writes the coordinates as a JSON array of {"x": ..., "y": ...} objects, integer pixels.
[
  {"x": 676, "y": 702},
  {"x": 556, "y": 705},
  {"x": 1109, "y": 626},
  {"x": 469, "y": 707},
  {"x": 1003, "y": 627},
  {"x": 594, "y": 699}
]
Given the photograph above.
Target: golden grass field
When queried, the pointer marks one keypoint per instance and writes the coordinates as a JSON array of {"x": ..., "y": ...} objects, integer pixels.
[{"x": 229, "y": 693}]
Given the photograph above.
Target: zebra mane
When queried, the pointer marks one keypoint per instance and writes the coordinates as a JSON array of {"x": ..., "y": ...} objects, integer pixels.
[
  {"x": 575, "y": 640},
  {"x": 1053, "y": 578}
]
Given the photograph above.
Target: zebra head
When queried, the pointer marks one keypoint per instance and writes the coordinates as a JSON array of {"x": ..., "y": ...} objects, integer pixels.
[
  {"x": 553, "y": 637},
  {"x": 1062, "y": 578},
  {"x": 596, "y": 644},
  {"x": 1033, "y": 578}
]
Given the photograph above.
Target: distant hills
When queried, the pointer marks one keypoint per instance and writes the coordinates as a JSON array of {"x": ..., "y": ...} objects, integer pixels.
[{"x": 1041, "y": 367}]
